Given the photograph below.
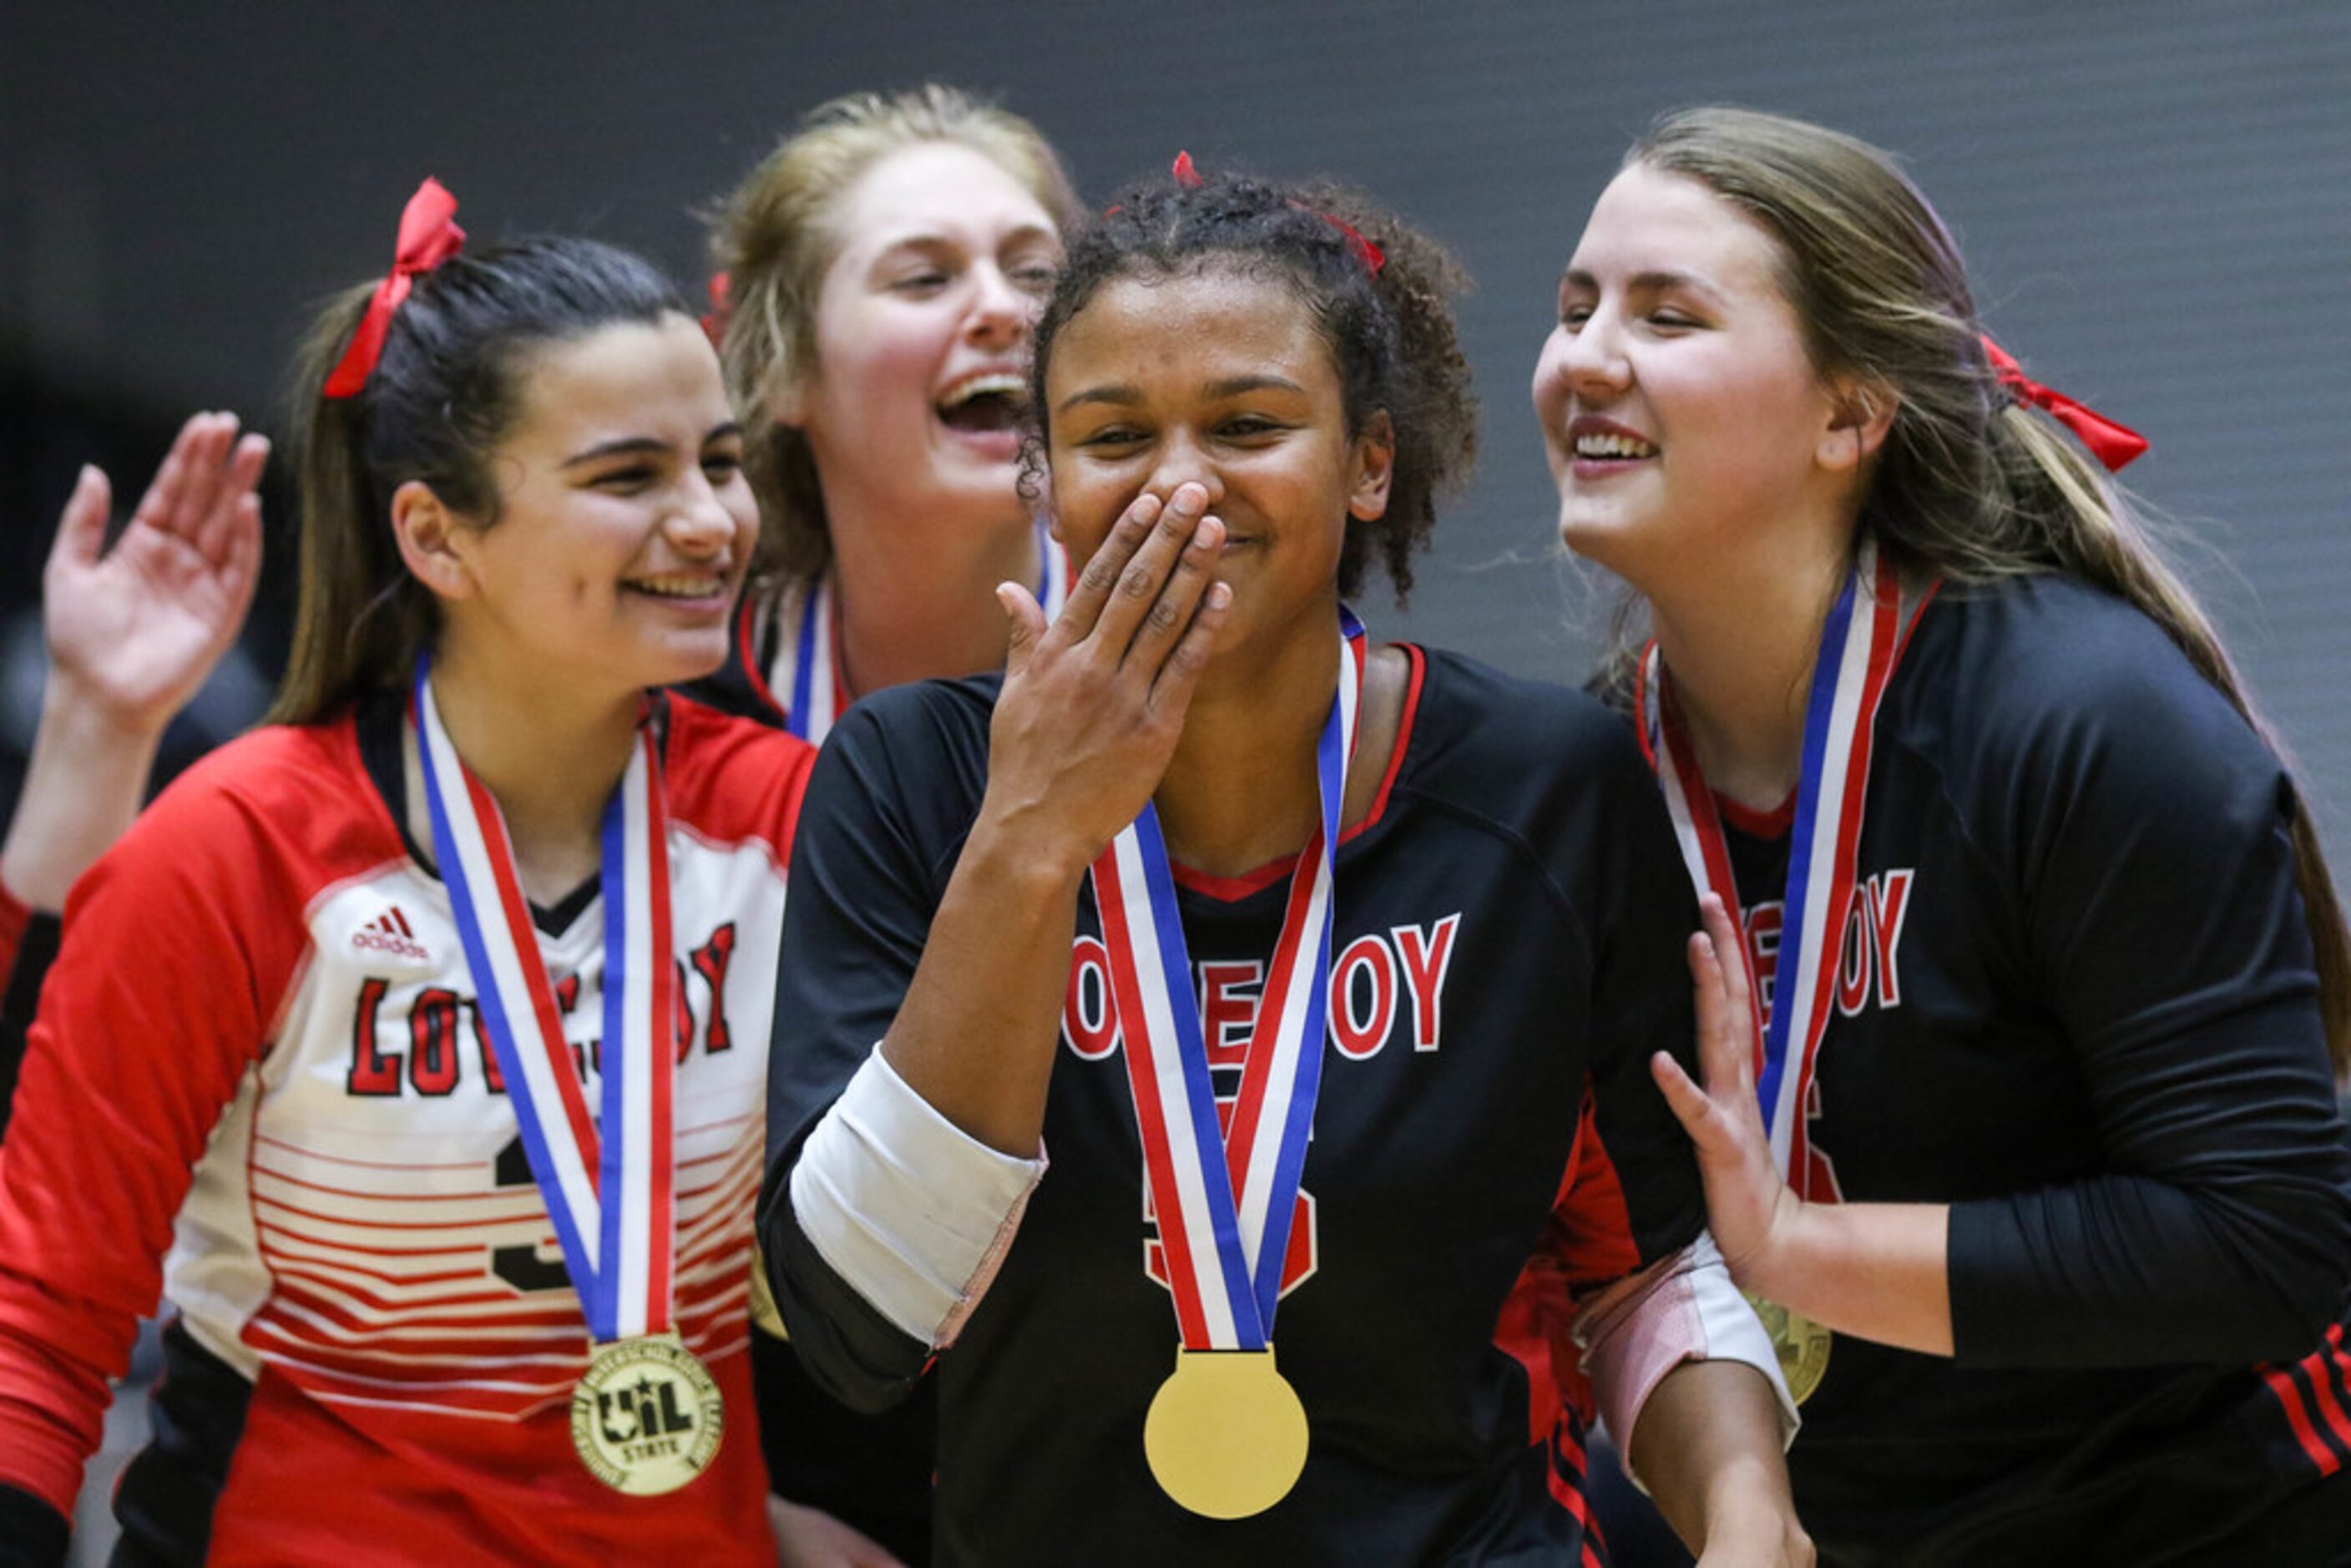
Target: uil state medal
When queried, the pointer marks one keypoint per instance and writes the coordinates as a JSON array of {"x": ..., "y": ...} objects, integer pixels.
[
  {"x": 646, "y": 1416},
  {"x": 1802, "y": 1346}
]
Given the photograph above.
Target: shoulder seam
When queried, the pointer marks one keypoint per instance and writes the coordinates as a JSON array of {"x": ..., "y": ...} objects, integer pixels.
[{"x": 1519, "y": 847}]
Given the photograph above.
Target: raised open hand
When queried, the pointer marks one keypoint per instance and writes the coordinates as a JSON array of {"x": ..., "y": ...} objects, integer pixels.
[
  {"x": 1747, "y": 1205},
  {"x": 1094, "y": 704},
  {"x": 134, "y": 629}
]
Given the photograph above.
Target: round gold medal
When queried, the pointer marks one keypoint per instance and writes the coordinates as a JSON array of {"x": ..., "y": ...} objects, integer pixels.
[
  {"x": 1802, "y": 1346},
  {"x": 1225, "y": 1434},
  {"x": 647, "y": 1416}
]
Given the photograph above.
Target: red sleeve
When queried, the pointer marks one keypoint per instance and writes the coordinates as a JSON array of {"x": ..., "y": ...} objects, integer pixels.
[
  {"x": 1587, "y": 1244},
  {"x": 734, "y": 778},
  {"x": 181, "y": 942},
  {"x": 13, "y": 918}
]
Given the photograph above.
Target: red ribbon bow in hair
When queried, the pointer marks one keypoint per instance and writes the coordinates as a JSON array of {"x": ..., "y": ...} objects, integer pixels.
[
  {"x": 427, "y": 239},
  {"x": 2111, "y": 443},
  {"x": 1371, "y": 255},
  {"x": 713, "y": 324}
]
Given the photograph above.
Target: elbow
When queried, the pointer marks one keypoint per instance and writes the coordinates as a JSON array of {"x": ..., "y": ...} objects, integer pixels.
[
  {"x": 2303, "y": 1286},
  {"x": 846, "y": 1346},
  {"x": 2303, "y": 1307},
  {"x": 832, "y": 1362}
]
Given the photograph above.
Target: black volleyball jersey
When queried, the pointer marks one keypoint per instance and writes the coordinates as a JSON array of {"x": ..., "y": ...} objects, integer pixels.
[
  {"x": 2075, "y": 1000},
  {"x": 1508, "y": 933},
  {"x": 871, "y": 1471}
]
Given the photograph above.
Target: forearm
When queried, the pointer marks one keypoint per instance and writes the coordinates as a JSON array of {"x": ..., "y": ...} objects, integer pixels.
[
  {"x": 2120, "y": 1271},
  {"x": 83, "y": 785},
  {"x": 910, "y": 1186},
  {"x": 1879, "y": 1271},
  {"x": 1707, "y": 1445},
  {"x": 976, "y": 1035}
]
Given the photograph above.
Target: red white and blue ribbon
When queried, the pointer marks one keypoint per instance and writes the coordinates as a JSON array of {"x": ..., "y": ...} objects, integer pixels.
[
  {"x": 1223, "y": 1199},
  {"x": 820, "y": 695},
  {"x": 609, "y": 1181},
  {"x": 1867, "y": 629}
]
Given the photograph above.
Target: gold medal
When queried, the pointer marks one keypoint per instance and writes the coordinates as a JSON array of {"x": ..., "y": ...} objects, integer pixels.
[
  {"x": 765, "y": 1315},
  {"x": 1802, "y": 1346},
  {"x": 1225, "y": 1434},
  {"x": 646, "y": 1416}
]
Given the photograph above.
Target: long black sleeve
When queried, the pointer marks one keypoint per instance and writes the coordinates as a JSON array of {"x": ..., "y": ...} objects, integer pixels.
[
  {"x": 874, "y": 847},
  {"x": 2146, "y": 827}
]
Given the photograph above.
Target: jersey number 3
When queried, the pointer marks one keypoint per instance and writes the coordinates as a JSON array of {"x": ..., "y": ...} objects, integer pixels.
[{"x": 521, "y": 1266}]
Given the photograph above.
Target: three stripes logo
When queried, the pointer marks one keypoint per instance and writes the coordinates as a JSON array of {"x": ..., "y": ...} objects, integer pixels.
[{"x": 390, "y": 934}]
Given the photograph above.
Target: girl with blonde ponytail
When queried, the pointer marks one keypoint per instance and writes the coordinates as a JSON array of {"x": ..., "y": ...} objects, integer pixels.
[{"x": 2025, "y": 987}]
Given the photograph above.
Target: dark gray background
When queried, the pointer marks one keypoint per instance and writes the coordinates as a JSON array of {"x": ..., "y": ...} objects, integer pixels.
[{"x": 2156, "y": 199}]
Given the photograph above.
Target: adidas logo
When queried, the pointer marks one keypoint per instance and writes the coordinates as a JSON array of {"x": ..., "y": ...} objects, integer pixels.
[{"x": 390, "y": 934}]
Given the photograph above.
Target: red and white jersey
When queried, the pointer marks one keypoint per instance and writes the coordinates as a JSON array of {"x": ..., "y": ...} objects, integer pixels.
[
  {"x": 13, "y": 918},
  {"x": 259, "y": 1066}
]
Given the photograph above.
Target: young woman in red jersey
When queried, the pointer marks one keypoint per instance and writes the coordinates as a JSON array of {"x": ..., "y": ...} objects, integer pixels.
[
  {"x": 415, "y": 1042},
  {"x": 1248, "y": 395},
  {"x": 2047, "y": 1192}
]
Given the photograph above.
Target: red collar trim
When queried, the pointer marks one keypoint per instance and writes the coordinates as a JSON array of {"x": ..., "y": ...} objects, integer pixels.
[
  {"x": 747, "y": 647},
  {"x": 1772, "y": 824}
]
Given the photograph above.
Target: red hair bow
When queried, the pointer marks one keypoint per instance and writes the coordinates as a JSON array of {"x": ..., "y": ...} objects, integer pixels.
[
  {"x": 713, "y": 324},
  {"x": 427, "y": 239},
  {"x": 2111, "y": 443},
  {"x": 1371, "y": 255}
]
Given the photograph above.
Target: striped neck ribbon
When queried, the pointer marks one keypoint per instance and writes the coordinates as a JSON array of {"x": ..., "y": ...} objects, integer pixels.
[
  {"x": 608, "y": 1180},
  {"x": 820, "y": 695},
  {"x": 1223, "y": 1197},
  {"x": 1867, "y": 629}
]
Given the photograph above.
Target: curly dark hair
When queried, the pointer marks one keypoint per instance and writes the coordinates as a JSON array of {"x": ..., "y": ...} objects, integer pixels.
[{"x": 1390, "y": 329}]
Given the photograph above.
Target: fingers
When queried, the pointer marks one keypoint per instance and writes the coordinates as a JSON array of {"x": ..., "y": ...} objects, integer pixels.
[
  {"x": 202, "y": 491},
  {"x": 236, "y": 508},
  {"x": 1171, "y": 615},
  {"x": 81, "y": 528},
  {"x": 1730, "y": 955},
  {"x": 177, "y": 482},
  {"x": 1726, "y": 1043},
  {"x": 1092, "y": 589},
  {"x": 1688, "y": 1100},
  {"x": 197, "y": 492},
  {"x": 241, "y": 567},
  {"x": 1179, "y": 675},
  {"x": 1145, "y": 577},
  {"x": 1713, "y": 1009},
  {"x": 1028, "y": 628}
]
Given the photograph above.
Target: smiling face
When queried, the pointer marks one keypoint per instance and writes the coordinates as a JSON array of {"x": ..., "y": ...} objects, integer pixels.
[
  {"x": 1680, "y": 410},
  {"x": 1217, "y": 378},
  {"x": 922, "y": 335},
  {"x": 624, "y": 524}
]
